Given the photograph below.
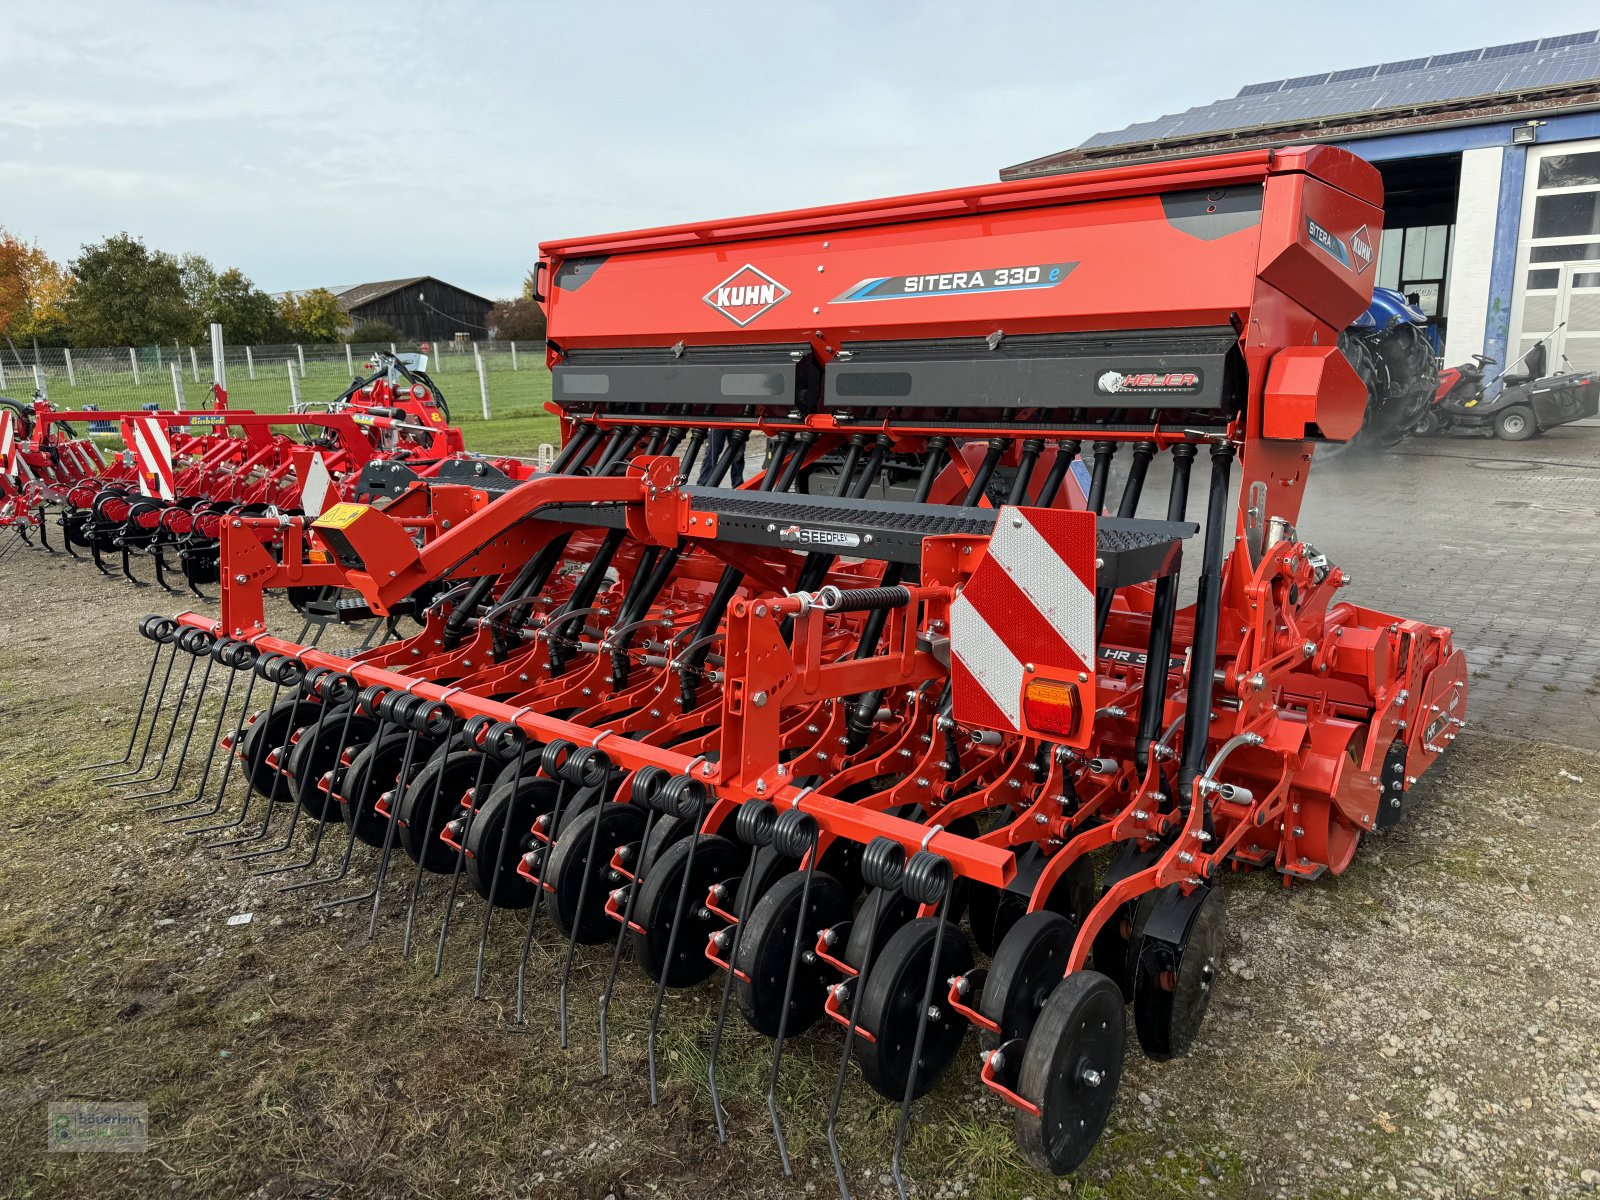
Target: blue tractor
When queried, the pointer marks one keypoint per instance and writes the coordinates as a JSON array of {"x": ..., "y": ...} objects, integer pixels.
[{"x": 1389, "y": 345}]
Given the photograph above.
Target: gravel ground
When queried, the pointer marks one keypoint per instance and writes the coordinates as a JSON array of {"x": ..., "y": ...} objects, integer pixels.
[{"x": 1422, "y": 1026}]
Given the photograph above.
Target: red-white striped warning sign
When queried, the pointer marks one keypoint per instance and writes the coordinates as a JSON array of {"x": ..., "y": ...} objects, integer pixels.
[
  {"x": 1026, "y": 614},
  {"x": 152, "y": 454},
  {"x": 314, "y": 488},
  {"x": 8, "y": 444}
]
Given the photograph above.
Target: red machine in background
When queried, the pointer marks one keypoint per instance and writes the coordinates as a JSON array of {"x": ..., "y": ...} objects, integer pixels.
[
  {"x": 929, "y": 687},
  {"x": 180, "y": 474}
]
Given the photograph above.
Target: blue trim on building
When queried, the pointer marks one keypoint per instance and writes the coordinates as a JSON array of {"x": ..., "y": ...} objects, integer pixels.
[{"x": 1503, "y": 266}]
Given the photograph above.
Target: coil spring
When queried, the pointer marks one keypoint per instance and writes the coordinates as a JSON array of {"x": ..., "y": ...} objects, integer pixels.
[
  {"x": 682, "y": 796},
  {"x": 158, "y": 628},
  {"x": 647, "y": 782},
  {"x": 367, "y": 701},
  {"x": 586, "y": 767},
  {"x": 883, "y": 863},
  {"x": 795, "y": 833},
  {"x": 928, "y": 877},
  {"x": 754, "y": 822},
  {"x": 476, "y": 731}
]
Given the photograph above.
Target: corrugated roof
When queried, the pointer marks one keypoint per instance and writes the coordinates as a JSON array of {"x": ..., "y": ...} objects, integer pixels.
[
  {"x": 1409, "y": 83},
  {"x": 365, "y": 293}
]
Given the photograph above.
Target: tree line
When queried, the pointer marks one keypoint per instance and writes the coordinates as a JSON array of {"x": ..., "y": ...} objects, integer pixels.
[{"x": 119, "y": 292}]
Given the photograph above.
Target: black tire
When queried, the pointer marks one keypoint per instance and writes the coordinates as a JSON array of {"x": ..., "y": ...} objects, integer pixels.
[
  {"x": 1427, "y": 426},
  {"x": 1080, "y": 1030},
  {"x": 767, "y": 946},
  {"x": 673, "y": 879},
  {"x": 1515, "y": 424},
  {"x": 1030, "y": 961},
  {"x": 1413, "y": 378},
  {"x": 486, "y": 869},
  {"x": 432, "y": 798},
  {"x": 891, "y": 1000},
  {"x": 1359, "y": 353},
  {"x": 266, "y": 736}
]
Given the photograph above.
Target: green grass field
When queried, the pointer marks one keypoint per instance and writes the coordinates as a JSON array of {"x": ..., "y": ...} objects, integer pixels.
[{"x": 517, "y": 398}]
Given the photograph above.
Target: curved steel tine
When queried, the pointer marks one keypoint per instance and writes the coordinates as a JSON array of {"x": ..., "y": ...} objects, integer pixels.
[
  {"x": 562, "y": 788},
  {"x": 228, "y": 761},
  {"x": 282, "y": 772},
  {"x": 727, "y": 994},
  {"x": 322, "y": 818},
  {"x": 672, "y": 947},
  {"x": 396, "y": 796},
  {"x": 622, "y": 934},
  {"x": 916, "y": 1046},
  {"x": 138, "y": 719},
  {"x": 427, "y": 836},
  {"x": 589, "y": 871},
  {"x": 788, "y": 995},
  {"x": 350, "y": 842},
  {"x": 844, "y": 1058},
  {"x": 278, "y": 774},
  {"x": 211, "y": 756},
  {"x": 461, "y": 858},
  {"x": 149, "y": 734},
  {"x": 188, "y": 738},
  {"x": 172, "y": 728}
]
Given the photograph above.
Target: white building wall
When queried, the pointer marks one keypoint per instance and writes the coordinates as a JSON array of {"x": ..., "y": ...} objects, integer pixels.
[{"x": 1472, "y": 255}]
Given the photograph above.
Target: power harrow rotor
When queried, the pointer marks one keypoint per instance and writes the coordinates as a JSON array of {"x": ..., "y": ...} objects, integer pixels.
[{"x": 907, "y": 734}]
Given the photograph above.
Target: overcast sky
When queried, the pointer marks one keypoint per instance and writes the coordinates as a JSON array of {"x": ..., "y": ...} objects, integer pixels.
[{"x": 334, "y": 143}]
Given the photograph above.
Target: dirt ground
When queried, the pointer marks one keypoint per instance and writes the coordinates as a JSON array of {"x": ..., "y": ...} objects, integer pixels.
[{"x": 1423, "y": 1026}]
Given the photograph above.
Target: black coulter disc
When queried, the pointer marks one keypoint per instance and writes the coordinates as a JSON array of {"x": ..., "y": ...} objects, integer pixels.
[
  {"x": 266, "y": 735},
  {"x": 715, "y": 859},
  {"x": 1071, "y": 1070},
  {"x": 569, "y": 862},
  {"x": 1173, "y": 982},
  {"x": 881, "y": 915},
  {"x": 486, "y": 868},
  {"x": 433, "y": 798},
  {"x": 767, "y": 946},
  {"x": 1028, "y": 964},
  {"x": 376, "y": 770},
  {"x": 891, "y": 1003},
  {"x": 1115, "y": 950},
  {"x": 317, "y": 753}
]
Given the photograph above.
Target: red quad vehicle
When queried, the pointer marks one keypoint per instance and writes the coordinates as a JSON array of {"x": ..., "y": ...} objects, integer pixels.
[{"x": 1528, "y": 403}]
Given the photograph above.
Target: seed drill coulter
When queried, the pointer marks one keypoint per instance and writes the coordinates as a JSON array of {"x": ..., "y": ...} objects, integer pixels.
[{"x": 942, "y": 685}]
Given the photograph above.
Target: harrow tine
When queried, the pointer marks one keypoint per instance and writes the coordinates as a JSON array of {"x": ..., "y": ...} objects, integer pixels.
[
  {"x": 266, "y": 665},
  {"x": 423, "y": 842},
  {"x": 228, "y": 756},
  {"x": 144, "y": 697},
  {"x": 216, "y": 733},
  {"x": 585, "y": 767},
  {"x": 795, "y": 835},
  {"x": 44, "y": 532},
  {"x": 389, "y": 829},
  {"x": 931, "y": 879},
  {"x": 883, "y": 864},
  {"x": 94, "y": 553},
  {"x": 688, "y": 795},
  {"x": 473, "y": 733},
  {"x": 372, "y": 699},
  {"x": 279, "y": 772},
  {"x": 753, "y": 823},
  {"x": 316, "y": 682},
  {"x": 188, "y": 737},
  {"x": 149, "y": 734},
  {"x": 645, "y": 790},
  {"x": 550, "y": 759},
  {"x": 327, "y": 794},
  {"x": 137, "y": 778}
]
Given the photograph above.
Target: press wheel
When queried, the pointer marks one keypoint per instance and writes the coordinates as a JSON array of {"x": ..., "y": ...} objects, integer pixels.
[
  {"x": 486, "y": 868},
  {"x": 569, "y": 862},
  {"x": 376, "y": 770},
  {"x": 891, "y": 1002},
  {"x": 880, "y": 916},
  {"x": 716, "y": 859},
  {"x": 317, "y": 753},
  {"x": 766, "y": 949},
  {"x": 266, "y": 735},
  {"x": 431, "y": 799},
  {"x": 1173, "y": 982},
  {"x": 1071, "y": 1070},
  {"x": 1026, "y": 967}
]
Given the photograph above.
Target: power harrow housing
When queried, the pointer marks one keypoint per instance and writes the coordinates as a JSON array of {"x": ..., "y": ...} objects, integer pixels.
[{"x": 929, "y": 690}]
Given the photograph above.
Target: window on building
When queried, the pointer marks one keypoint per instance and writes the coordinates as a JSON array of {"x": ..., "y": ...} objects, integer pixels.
[
  {"x": 1416, "y": 261},
  {"x": 1559, "y": 300}
]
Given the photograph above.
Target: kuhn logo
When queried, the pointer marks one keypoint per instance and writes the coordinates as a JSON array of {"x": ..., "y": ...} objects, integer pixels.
[
  {"x": 1361, "y": 249},
  {"x": 745, "y": 295},
  {"x": 1112, "y": 383}
]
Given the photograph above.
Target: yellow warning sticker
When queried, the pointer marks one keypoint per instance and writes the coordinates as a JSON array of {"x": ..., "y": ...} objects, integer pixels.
[{"x": 340, "y": 516}]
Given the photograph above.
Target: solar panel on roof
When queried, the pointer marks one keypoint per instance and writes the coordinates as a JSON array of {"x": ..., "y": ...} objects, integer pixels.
[
  {"x": 1450, "y": 60},
  {"x": 1509, "y": 48},
  {"x": 1261, "y": 89},
  {"x": 1407, "y": 64},
  {"x": 1305, "y": 81},
  {"x": 1569, "y": 39},
  {"x": 1354, "y": 73}
]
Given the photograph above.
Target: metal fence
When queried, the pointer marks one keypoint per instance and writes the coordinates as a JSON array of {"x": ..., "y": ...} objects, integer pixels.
[{"x": 481, "y": 380}]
